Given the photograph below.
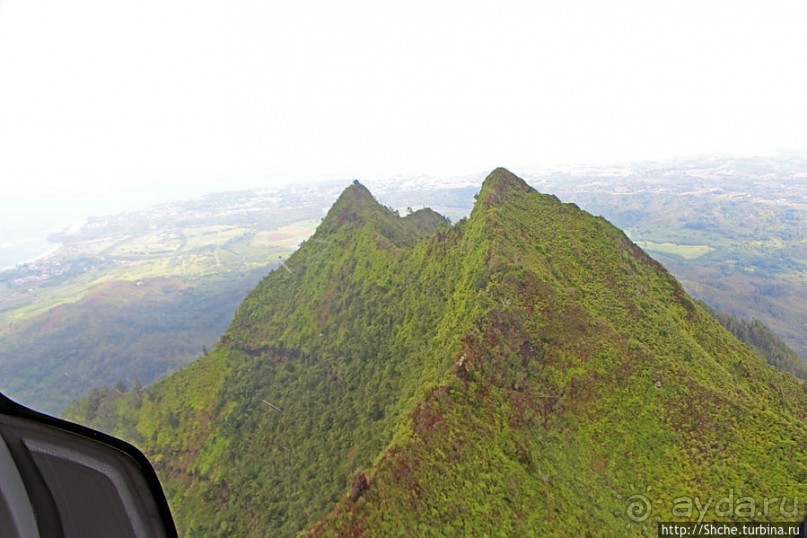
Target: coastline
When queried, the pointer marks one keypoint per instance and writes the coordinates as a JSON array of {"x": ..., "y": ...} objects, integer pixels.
[{"x": 19, "y": 252}]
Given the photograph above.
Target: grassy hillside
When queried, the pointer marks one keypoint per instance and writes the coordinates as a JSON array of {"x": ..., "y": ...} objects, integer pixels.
[
  {"x": 123, "y": 331},
  {"x": 525, "y": 372}
]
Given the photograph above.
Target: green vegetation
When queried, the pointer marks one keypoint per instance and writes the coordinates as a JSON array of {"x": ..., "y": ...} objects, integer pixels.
[
  {"x": 524, "y": 372},
  {"x": 731, "y": 231},
  {"x": 687, "y": 252},
  {"x": 127, "y": 331},
  {"x": 764, "y": 341}
]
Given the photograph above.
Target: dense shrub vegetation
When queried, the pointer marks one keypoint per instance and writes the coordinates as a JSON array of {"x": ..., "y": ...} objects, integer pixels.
[{"x": 523, "y": 372}]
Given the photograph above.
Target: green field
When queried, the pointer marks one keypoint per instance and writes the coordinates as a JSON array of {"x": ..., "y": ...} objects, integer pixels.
[{"x": 687, "y": 252}]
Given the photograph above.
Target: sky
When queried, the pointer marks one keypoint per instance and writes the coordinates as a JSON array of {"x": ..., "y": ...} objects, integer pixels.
[{"x": 98, "y": 96}]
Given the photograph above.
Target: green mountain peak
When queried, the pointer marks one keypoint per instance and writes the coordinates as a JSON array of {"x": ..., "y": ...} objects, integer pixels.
[
  {"x": 524, "y": 372},
  {"x": 357, "y": 209},
  {"x": 500, "y": 184},
  {"x": 356, "y": 203}
]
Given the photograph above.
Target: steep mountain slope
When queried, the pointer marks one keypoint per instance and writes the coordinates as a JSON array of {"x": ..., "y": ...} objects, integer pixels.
[
  {"x": 524, "y": 372},
  {"x": 764, "y": 341},
  {"x": 122, "y": 331},
  {"x": 730, "y": 229}
]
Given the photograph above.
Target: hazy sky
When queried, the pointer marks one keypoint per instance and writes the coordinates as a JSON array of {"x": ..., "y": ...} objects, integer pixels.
[{"x": 102, "y": 95}]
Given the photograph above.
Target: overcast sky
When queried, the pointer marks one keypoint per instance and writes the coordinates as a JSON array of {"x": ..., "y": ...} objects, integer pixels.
[{"x": 103, "y": 95}]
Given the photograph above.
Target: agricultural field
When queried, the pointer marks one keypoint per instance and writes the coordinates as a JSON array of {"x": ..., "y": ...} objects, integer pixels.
[
  {"x": 128, "y": 298},
  {"x": 686, "y": 252}
]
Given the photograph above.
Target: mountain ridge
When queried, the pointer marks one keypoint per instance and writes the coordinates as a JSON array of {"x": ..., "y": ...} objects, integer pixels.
[
  {"x": 349, "y": 516},
  {"x": 357, "y": 207},
  {"x": 469, "y": 379}
]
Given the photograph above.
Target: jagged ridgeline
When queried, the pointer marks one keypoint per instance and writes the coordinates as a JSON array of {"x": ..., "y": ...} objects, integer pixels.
[{"x": 524, "y": 372}]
